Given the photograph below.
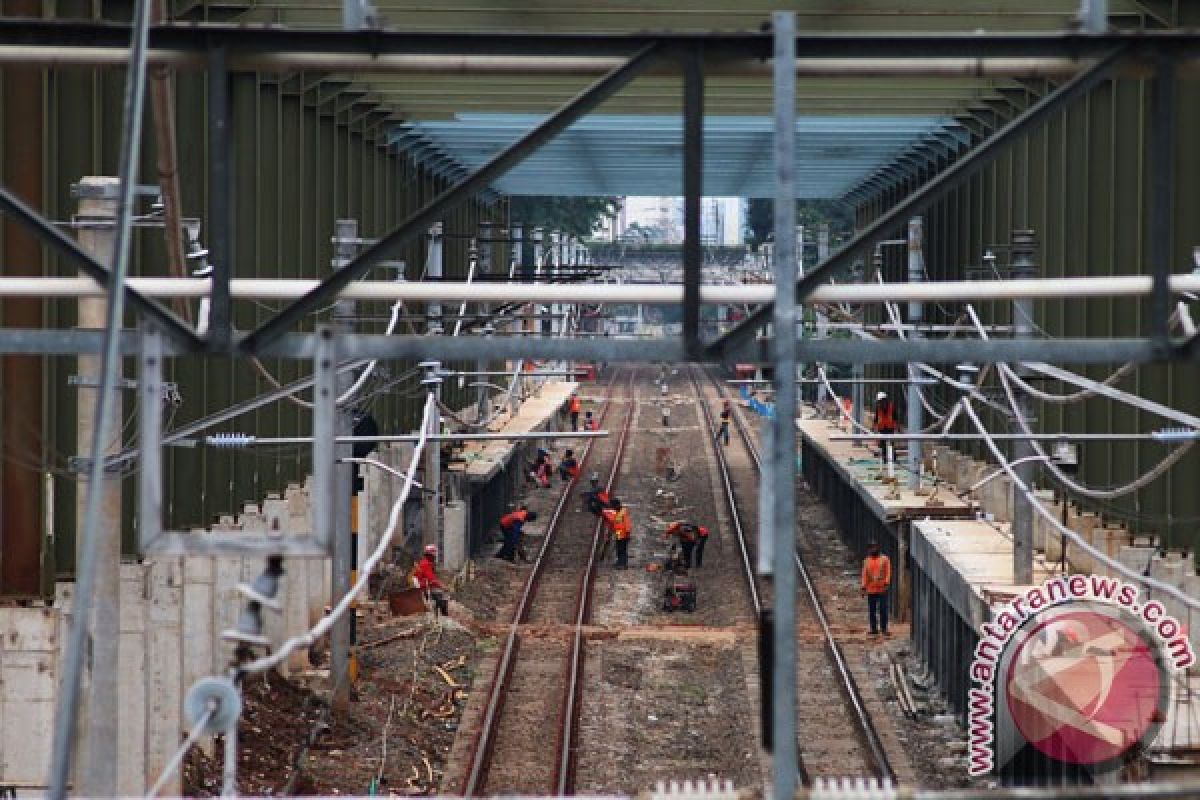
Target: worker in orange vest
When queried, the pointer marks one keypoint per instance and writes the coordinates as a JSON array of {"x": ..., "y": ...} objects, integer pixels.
[
  {"x": 876, "y": 580},
  {"x": 511, "y": 526},
  {"x": 885, "y": 416},
  {"x": 575, "y": 407},
  {"x": 690, "y": 538},
  {"x": 424, "y": 575},
  {"x": 620, "y": 528}
]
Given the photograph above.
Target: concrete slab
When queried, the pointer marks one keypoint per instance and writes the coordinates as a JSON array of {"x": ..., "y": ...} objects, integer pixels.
[{"x": 538, "y": 413}]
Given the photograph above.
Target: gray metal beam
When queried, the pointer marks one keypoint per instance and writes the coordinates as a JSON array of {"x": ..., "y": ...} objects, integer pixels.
[
  {"x": 929, "y": 193},
  {"x": 476, "y": 182}
]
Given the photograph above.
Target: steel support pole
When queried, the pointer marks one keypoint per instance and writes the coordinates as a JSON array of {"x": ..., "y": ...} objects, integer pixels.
[
  {"x": 343, "y": 542},
  {"x": 1093, "y": 16},
  {"x": 929, "y": 193},
  {"x": 693, "y": 192},
  {"x": 781, "y": 461},
  {"x": 579, "y": 106},
  {"x": 1024, "y": 247},
  {"x": 98, "y": 542},
  {"x": 150, "y": 422},
  {"x": 1162, "y": 200},
  {"x": 433, "y": 272},
  {"x": 220, "y": 199},
  {"x": 431, "y": 517},
  {"x": 916, "y": 312}
]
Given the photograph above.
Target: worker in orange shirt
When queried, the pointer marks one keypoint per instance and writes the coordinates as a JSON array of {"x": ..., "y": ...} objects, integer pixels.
[
  {"x": 568, "y": 468},
  {"x": 575, "y": 406},
  {"x": 512, "y": 525},
  {"x": 876, "y": 580},
  {"x": 620, "y": 527},
  {"x": 688, "y": 534},
  {"x": 885, "y": 417}
]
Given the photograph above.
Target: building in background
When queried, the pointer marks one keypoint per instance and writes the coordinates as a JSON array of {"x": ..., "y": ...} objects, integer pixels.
[{"x": 659, "y": 220}]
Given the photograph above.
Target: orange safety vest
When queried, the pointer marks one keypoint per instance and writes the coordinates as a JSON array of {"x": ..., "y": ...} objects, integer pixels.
[
  {"x": 576, "y": 405},
  {"x": 876, "y": 574},
  {"x": 885, "y": 416},
  {"x": 512, "y": 518},
  {"x": 619, "y": 522},
  {"x": 685, "y": 532}
]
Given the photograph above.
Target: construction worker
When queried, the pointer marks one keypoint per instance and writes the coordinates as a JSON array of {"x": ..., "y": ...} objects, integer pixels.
[
  {"x": 425, "y": 577},
  {"x": 688, "y": 534},
  {"x": 885, "y": 417},
  {"x": 574, "y": 407},
  {"x": 596, "y": 499},
  {"x": 511, "y": 526},
  {"x": 589, "y": 422},
  {"x": 701, "y": 540},
  {"x": 876, "y": 580},
  {"x": 723, "y": 431},
  {"x": 541, "y": 470},
  {"x": 568, "y": 468},
  {"x": 620, "y": 527}
]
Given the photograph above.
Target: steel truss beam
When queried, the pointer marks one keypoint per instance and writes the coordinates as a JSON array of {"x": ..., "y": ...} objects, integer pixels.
[
  {"x": 920, "y": 200},
  {"x": 420, "y": 222}
]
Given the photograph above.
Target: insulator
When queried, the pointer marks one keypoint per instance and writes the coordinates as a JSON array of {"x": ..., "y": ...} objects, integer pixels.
[{"x": 230, "y": 440}]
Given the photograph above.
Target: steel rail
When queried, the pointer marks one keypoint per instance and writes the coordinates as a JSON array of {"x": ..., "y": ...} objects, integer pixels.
[
  {"x": 870, "y": 736},
  {"x": 730, "y": 499},
  {"x": 564, "y": 774},
  {"x": 485, "y": 738}
]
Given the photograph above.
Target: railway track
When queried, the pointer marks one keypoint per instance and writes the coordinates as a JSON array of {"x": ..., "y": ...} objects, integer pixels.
[
  {"x": 539, "y": 673},
  {"x": 822, "y": 672}
]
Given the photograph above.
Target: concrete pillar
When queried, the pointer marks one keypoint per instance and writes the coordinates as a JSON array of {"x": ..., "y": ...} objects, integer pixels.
[
  {"x": 96, "y": 774},
  {"x": 164, "y": 670},
  {"x": 456, "y": 547},
  {"x": 916, "y": 312}
]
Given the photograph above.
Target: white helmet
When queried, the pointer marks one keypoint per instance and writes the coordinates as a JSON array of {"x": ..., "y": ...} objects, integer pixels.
[
  {"x": 431, "y": 550},
  {"x": 881, "y": 396}
]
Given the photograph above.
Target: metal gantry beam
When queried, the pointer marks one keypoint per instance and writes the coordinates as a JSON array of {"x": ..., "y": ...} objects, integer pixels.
[
  {"x": 930, "y": 192},
  {"x": 419, "y": 222}
]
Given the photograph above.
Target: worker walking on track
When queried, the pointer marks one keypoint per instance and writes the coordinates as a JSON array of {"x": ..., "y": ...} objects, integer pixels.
[
  {"x": 688, "y": 535},
  {"x": 511, "y": 526},
  {"x": 425, "y": 577},
  {"x": 620, "y": 527},
  {"x": 876, "y": 580},
  {"x": 723, "y": 431},
  {"x": 575, "y": 406}
]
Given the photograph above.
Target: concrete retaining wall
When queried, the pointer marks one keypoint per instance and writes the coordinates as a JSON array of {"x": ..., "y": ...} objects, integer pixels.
[{"x": 172, "y": 614}]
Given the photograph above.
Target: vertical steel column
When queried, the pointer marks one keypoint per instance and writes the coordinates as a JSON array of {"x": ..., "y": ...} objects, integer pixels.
[
  {"x": 220, "y": 200},
  {"x": 916, "y": 312},
  {"x": 1024, "y": 247},
  {"x": 1093, "y": 16},
  {"x": 433, "y": 272},
  {"x": 345, "y": 232},
  {"x": 693, "y": 191},
  {"x": 1162, "y": 188},
  {"x": 431, "y": 510},
  {"x": 324, "y": 431},
  {"x": 487, "y": 251},
  {"x": 537, "y": 236},
  {"x": 150, "y": 422},
  {"x": 780, "y": 518},
  {"x": 98, "y": 544}
]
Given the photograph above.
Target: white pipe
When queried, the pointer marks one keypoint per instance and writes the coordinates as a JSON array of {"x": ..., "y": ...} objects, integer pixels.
[
  {"x": 451, "y": 64},
  {"x": 710, "y": 294}
]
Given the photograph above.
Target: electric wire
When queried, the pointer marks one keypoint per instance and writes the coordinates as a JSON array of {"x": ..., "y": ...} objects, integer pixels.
[
  {"x": 364, "y": 573},
  {"x": 1192, "y": 603},
  {"x": 176, "y": 761}
]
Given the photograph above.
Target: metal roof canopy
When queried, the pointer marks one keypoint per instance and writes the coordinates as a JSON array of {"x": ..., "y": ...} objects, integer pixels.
[{"x": 606, "y": 154}]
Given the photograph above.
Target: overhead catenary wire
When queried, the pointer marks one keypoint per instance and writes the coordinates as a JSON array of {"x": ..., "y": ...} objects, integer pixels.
[
  {"x": 364, "y": 573},
  {"x": 1192, "y": 603}
]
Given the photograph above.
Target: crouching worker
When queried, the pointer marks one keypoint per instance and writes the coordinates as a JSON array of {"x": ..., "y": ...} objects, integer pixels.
[
  {"x": 425, "y": 577},
  {"x": 596, "y": 499},
  {"x": 568, "y": 468},
  {"x": 687, "y": 534},
  {"x": 511, "y": 526}
]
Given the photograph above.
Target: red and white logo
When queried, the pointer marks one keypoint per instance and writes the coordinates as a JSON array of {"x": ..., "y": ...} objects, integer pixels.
[{"x": 1084, "y": 685}]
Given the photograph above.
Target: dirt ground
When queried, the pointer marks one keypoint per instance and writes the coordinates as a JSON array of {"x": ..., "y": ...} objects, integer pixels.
[{"x": 290, "y": 742}]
